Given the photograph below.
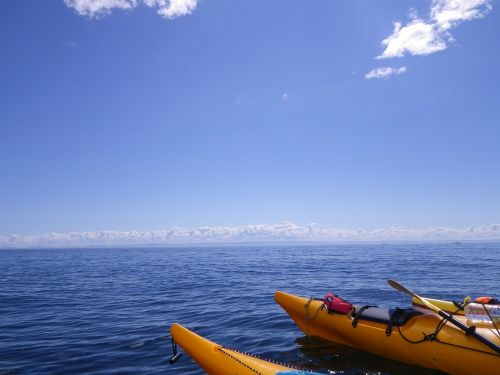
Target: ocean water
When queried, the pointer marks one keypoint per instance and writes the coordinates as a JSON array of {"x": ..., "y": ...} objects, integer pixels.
[{"x": 108, "y": 311}]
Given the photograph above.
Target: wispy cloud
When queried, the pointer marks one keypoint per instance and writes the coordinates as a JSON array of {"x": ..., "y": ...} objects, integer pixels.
[
  {"x": 243, "y": 101},
  {"x": 165, "y": 8},
  {"x": 450, "y": 13},
  {"x": 70, "y": 44},
  {"x": 432, "y": 34},
  {"x": 384, "y": 72},
  {"x": 286, "y": 231}
]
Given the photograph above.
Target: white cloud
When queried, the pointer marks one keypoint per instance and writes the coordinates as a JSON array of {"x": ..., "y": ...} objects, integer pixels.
[
  {"x": 284, "y": 96},
  {"x": 284, "y": 232},
  {"x": 173, "y": 8},
  {"x": 431, "y": 35},
  {"x": 165, "y": 8},
  {"x": 449, "y": 13},
  {"x": 96, "y": 8},
  {"x": 384, "y": 72},
  {"x": 416, "y": 38}
]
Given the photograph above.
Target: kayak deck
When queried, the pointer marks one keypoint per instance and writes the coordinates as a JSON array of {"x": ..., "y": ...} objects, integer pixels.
[{"x": 448, "y": 306}]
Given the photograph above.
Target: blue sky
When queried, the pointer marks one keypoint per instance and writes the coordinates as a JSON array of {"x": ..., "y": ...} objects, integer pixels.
[{"x": 129, "y": 115}]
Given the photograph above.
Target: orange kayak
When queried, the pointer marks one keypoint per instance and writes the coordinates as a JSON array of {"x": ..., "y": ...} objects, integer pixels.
[
  {"x": 416, "y": 338},
  {"x": 218, "y": 360}
]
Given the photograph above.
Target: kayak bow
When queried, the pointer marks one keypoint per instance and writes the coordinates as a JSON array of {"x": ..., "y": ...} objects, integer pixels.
[{"x": 218, "y": 360}]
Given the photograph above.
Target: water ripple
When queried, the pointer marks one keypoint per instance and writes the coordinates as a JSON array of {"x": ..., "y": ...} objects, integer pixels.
[{"x": 108, "y": 311}]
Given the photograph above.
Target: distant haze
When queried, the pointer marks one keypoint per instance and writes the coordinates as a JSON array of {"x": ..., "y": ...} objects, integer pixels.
[{"x": 284, "y": 232}]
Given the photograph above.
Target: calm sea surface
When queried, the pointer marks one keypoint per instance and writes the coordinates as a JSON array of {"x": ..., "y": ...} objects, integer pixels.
[{"x": 108, "y": 311}]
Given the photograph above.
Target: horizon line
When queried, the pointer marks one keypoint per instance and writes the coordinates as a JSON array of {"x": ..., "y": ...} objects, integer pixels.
[
  {"x": 243, "y": 244},
  {"x": 285, "y": 232}
]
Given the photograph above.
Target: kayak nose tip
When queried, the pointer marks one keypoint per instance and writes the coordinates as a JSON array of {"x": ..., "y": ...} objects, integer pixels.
[{"x": 279, "y": 296}]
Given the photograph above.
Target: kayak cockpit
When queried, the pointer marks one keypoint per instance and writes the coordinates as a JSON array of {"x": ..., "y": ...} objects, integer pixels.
[{"x": 394, "y": 317}]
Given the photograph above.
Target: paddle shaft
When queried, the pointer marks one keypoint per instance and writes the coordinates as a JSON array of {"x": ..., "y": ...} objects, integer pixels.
[{"x": 468, "y": 330}]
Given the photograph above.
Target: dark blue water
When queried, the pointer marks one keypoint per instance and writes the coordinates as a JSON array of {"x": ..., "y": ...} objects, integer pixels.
[{"x": 108, "y": 311}]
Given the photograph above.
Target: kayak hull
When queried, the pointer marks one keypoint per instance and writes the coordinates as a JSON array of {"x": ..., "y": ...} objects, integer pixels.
[
  {"x": 218, "y": 360},
  {"x": 454, "y": 352}
]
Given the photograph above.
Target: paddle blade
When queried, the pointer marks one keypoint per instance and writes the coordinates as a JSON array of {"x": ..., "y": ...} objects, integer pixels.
[
  {"x": 400, "y": 287},
  {"x": 405, "y": 290}
]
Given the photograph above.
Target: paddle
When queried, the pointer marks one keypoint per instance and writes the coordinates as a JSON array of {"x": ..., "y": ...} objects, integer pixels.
[{"x": 468, "y": 330}]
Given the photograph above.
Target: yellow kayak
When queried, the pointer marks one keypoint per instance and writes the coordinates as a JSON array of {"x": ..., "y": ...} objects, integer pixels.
[
  {"x": 414, "y": 337},
  {"x": 448, "y": 306},
  {"x": 218, "y": 360}
]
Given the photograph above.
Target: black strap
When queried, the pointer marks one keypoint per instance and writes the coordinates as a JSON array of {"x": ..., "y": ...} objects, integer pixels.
[
  {"x": 357, "y": 314},
  {"x": 394, "y": 317},
  {"x": 175, "y": 355}
]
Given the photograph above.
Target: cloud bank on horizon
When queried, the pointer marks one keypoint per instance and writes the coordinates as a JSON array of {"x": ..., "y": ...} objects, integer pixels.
[
  {"x": 425, "y": 36},
  {"x": 284, "y": 232},
  {"x": 165, "y": 8}
]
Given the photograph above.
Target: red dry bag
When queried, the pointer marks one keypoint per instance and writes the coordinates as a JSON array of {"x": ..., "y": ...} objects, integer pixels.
[{"x": 336, "y": 304}]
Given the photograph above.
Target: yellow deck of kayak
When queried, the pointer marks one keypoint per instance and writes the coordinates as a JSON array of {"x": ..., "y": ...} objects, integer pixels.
[
  {"x": 447, "y": 306},
  {"x": 454, "y": 352},
  {"x": 218, "y": 360}
]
